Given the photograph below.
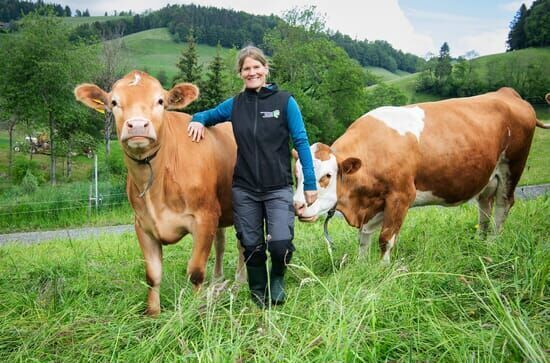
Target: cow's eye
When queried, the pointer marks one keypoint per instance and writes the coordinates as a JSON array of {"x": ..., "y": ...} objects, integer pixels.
[
  {"x": 325, "y": 180},
  {"x": 161, "y": 101},
  {"x": 114, "y": 103}
]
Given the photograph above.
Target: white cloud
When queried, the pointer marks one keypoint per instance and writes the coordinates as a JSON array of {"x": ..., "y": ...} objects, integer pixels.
[{"x": 484, "y": 43}]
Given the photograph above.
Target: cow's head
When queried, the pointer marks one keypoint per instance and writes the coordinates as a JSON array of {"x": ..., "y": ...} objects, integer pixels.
[
  {"x": 328, "y": 171},
  {"x": 138, "y": 103}
]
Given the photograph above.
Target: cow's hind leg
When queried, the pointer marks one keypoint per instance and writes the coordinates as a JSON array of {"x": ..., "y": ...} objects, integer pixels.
[
  {"x": 509, "y": 175},
  {"x": 152, "y": 255},
  {"x": 240, "y": 274},
  {"x": 485, "y": 202},
  {"x": 219, "y": 247}
]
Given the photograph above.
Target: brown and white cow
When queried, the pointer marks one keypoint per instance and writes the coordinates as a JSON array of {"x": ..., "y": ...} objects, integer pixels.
[
  {"x": 442, "y": 153},
  {"x": 174, "y": 185}
]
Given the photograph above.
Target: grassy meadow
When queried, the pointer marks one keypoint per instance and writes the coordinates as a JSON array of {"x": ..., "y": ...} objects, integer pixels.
[
  {"x": 155, "y": 50},
  {"x": 386, "y": 75},
  {"x": 447, "y": 296},
  {"x": 517, "y": 59}
]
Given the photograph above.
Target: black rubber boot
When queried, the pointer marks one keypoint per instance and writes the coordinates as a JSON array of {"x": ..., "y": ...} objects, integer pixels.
[
  {"x": 257, "y": 282},
  {"x": 277, "y": 284}
]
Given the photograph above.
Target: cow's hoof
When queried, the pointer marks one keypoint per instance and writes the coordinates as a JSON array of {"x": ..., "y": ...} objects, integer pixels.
[
  {"x": 152, "y": 312},
  {"x": 241, "y": 278}
]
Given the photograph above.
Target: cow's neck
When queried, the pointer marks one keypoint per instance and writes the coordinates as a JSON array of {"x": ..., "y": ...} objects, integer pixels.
[{"x": 142, "y": 170}]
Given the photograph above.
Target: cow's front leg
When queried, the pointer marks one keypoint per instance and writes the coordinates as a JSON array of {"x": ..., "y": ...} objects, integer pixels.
[
  {"x": 366, "y": 232},
  {"x": 203, "y": 235},
  {"x": 152, "y": 255},
  {"x": 395, "y": 211}
]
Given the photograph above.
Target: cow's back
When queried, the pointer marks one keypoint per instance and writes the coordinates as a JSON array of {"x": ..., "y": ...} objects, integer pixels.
[{"x": 457, "y": 150}]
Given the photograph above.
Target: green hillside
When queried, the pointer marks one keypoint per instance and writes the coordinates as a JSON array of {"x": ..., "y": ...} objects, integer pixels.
[
  {"x": 516, "y": 59},
  {"x": 155, "y": 50},
  {"x": 386, "y": 75}
]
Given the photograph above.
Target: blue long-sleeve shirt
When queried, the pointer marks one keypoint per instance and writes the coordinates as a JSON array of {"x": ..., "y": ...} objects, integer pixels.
[{"x": 222, "y": 112}]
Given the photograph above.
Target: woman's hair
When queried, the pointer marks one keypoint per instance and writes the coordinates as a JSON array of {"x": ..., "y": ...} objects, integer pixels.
[{"x": 252, "y": 52}]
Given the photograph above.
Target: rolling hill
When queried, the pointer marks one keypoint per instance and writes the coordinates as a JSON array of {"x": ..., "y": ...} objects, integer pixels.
[
  {"x": 517, "y": 59},
  {"x": 155, "y": 50}
]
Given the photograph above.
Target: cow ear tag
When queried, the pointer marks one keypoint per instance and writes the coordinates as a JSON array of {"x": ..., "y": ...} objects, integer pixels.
[{"x": 99, "y": 102}]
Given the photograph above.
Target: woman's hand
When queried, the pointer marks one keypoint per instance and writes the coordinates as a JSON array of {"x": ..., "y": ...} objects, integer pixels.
[
  {"x": 195, "y": 131},
  {"x": 311, "y": 196}
]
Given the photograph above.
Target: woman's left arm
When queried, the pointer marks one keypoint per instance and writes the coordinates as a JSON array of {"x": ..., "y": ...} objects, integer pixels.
[{"x": 301, "y": 143}]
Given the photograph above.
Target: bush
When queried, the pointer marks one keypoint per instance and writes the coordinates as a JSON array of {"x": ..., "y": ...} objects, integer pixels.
[
  {"x": 29, "y": 184},
  {"x": 20, "y": 168}
]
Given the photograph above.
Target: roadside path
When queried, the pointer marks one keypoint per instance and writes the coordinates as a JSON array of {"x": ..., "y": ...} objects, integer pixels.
[{"x": 526, "y": 192}]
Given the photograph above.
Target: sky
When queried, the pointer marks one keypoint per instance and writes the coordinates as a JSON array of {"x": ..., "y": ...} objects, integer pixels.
[{"x": 415, "y": 26}]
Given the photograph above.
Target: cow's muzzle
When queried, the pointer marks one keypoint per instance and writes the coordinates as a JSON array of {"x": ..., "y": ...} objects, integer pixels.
[{"x": 138, "y": 132}]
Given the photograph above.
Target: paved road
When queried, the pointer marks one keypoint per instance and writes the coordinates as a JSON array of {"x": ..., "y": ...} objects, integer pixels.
[{"x": 527, "y": 192}]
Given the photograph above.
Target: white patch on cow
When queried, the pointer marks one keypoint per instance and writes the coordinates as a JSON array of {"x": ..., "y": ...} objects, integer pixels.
[
  {"x": 401, "y": 119},
  {"x": 326, "y": 197},
  {"x": 389, "y": 246},
  {"x": 427, "y": 198},
  {"x": 366, "y": 232},
  {"x": 137, "y": 79}
]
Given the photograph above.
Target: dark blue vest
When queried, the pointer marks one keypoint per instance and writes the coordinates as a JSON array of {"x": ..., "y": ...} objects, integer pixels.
[{"x": 260, "y": 127}]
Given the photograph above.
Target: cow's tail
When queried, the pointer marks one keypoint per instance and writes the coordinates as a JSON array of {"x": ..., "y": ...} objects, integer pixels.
[{"x": 542, "y": 125}]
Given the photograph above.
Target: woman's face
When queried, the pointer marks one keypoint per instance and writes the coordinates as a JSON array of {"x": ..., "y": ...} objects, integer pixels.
[{"x": 253, "y": 73}]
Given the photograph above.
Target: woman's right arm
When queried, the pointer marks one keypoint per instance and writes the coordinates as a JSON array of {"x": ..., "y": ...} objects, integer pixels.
[{"x": 220, "y": 113}]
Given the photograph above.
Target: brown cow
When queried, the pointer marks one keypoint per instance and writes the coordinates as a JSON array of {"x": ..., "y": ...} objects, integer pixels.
[
  {"x": 444, "y": 153},
  {"x": 175, "y": 186}
]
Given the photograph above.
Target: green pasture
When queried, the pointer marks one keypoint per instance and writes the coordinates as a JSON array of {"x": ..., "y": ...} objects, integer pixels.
[
  {"x": 448, "y": 296},
  {"x": 518, "y": 59},
  {"x": 155, "y": 50},
  {"x": 386, "y": 75}
]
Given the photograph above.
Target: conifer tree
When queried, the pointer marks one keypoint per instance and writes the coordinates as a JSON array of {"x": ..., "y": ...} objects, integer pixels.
[
  {"x": 190, "y": 71},
  {"x": 188, "y": 65},
  {"x": 516, "y": 37},
  {"x": 214, "y": 88}
]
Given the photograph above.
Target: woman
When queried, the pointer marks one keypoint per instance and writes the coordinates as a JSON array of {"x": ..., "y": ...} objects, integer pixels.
[{"x": 263, "y": 118}]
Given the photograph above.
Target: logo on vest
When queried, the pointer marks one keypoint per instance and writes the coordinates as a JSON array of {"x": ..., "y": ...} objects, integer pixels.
[{"x": 271, "y": 114}]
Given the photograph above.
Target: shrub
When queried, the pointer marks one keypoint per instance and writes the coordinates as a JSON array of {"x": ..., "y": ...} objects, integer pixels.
[
  {"x": 20, "y": 168},
  {"x": 29, "y": 184}
]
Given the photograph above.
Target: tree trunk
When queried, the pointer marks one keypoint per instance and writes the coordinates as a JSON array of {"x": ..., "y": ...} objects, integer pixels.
[
  {"x": 107, "y": 128},
  {"x": 11, "y": 127},
  {"x": 52, "y": 150},
  {"x": 69, "y": 160}
]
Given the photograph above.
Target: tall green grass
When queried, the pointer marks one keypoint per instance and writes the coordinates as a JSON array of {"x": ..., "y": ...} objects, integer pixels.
[
  {"x": 63, "y": 206},
  {"x": 447, "y": 296}
]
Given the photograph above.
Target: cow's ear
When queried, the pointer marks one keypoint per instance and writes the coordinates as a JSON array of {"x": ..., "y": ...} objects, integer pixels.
[
  {"x": 92, "y": 96},
  {"x": 350, "y": 165},
  {"x": 295, "y": 154},
  {"x": 181, "y": 95}
]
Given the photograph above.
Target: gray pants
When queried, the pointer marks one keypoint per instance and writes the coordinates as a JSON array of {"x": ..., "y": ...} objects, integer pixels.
[{"x": 264, "y": 220}]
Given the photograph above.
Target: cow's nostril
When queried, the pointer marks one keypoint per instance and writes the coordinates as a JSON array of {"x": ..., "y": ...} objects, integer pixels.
[
  {"x": 299, "y": 207},
  {"x": 130, "y": 125},
  {"x": 146, "y": 124}
]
